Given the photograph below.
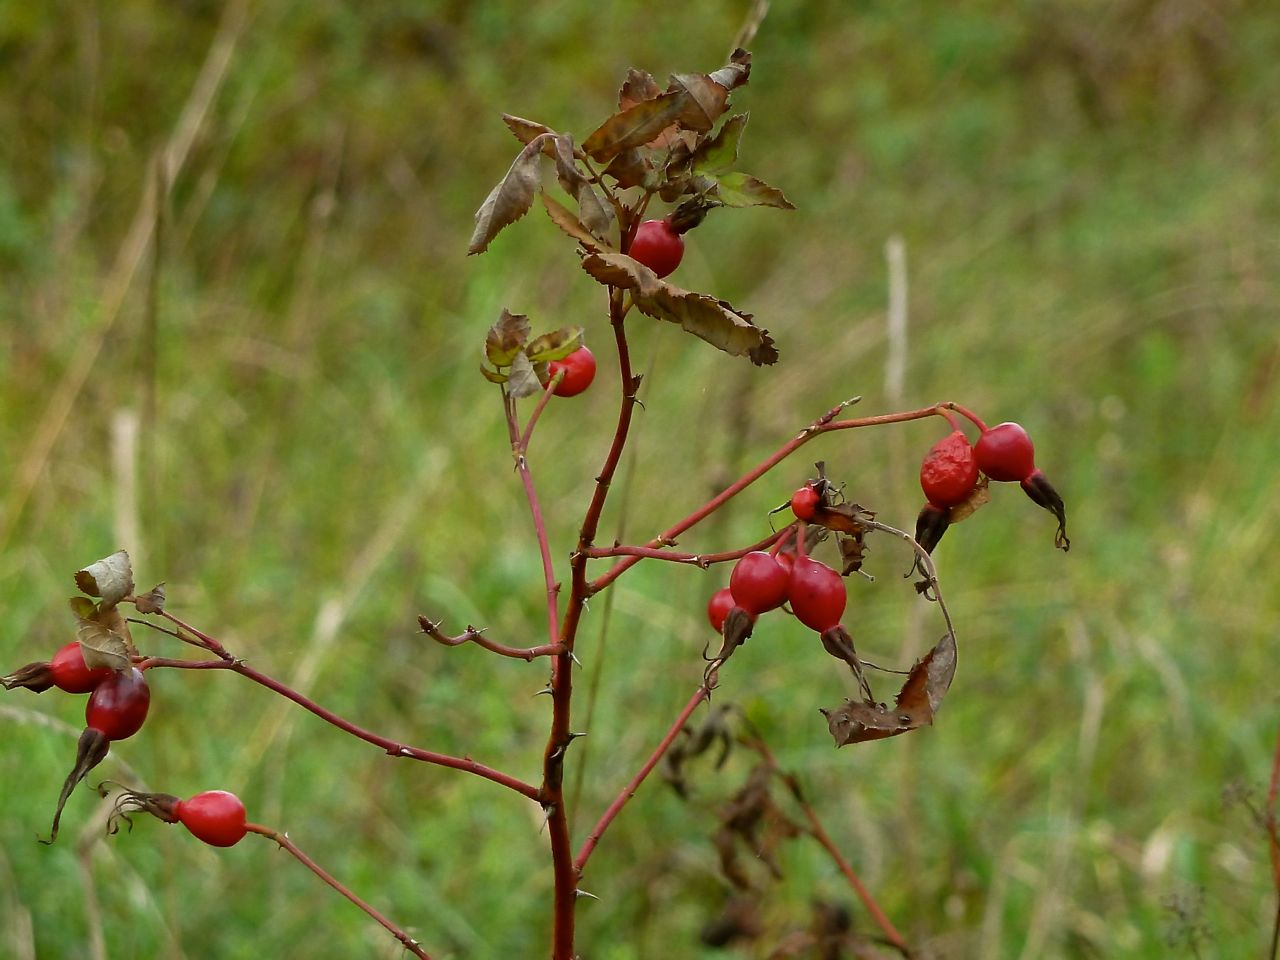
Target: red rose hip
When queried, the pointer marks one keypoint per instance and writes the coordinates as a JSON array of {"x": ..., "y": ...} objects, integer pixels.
[
  {"x": 657, "y": 246},
  {"x": 759, "y": 583},
  {"x": 1005, "y": 453},
  {"x": 817, "y": 594},
  {"x": 949, "y": 471}
]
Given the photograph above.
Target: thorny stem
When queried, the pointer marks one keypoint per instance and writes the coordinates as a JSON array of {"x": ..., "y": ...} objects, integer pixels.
[
  {"x": 539, "y": 525},
  {"x": 703, "y": 560},
  {"x": 547, "y": 393},
  {"x": 476, "y": 636},
  {"x": 552, "y": 791},
  {"x": 819, "y": 833},
  {"x": 286, "y": 844},
  {"x": 392, "y": 747},
  {"x": 629, "y": 791},
  {"x": 824, "y": 424}
]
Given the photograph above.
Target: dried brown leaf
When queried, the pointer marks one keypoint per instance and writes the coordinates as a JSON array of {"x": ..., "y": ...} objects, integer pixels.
[
  {"x": 715, "y": 321},
  {"x": 522, "y": 380},
  {"x": 915, "y": 706},
  {"x": 102, "y": 646},
  {"x": 564, "y": 218},
  {"x": 511, "y": 198},
  {"x": 110, "y": 578},
  {"x": 635, "y": 126},
  {"x": 629, "y": 169},
  {"x": 593, "y": 213},
  {"x": 736, "y": 72},
  {"x": 153, "y": 600},
  {"x": 705, "y": 100},
  {"x": 506, "y": 338},
  {"x": 526, "y": 131},
  {"x": 638, "y": 87},
  {"x": 976, "y": 500}
]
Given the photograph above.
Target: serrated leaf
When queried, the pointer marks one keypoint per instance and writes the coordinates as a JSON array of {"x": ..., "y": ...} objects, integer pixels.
[
  {"x": 555, "y": 345},
  {"x": 510, "y": 199},
  {"x": 635, "y": 126},
  {"x": 705, "y": 100},
  {"x": 636, "y": 88},
  {"x": 715, "y": 321},
  {"x": 110, "y": 578},
  {"x": 526, "y": 131},
  {"x": 719, "y": 153},
  {"x": 563, "y": 218},
  {"x": 152, "y": 601},
  {"x": 593, "y": 213},
  {"x": 506, "y": 338},
  {"x": 915, "y": 706},
  {"x": 523, "y": 380},
  {"x": 743, "y": 190}
]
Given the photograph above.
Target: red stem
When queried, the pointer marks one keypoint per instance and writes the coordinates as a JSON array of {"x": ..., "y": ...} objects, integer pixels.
[
  {"x": 633, "y": 785},
  {"x": 824, "y": 424},
  {"x": 472, "y": 635},
  {"x": 535, "y": 509},
  {"x": 392, "y": 747},
  {"x": 1273, "y": 833},
  {"x": 969, "y": 415},
  {"x": 702, "y": 560},
  {"x": 285, "y": 843}
]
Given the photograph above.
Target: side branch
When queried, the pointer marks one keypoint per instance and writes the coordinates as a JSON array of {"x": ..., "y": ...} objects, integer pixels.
[
  {"x": 286, "y": 844},
  {"x": 629, "y": 791},
  {"x": 703, "y": 560},
  {"x": 392, "y": 747},
  {"x": 476, "y": 636},
  {"x": 824, "y": 424}
]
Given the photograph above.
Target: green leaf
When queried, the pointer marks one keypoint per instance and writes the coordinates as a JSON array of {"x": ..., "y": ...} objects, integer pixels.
[
  {"x": 506, "y": 338},
  {"x": 743, "y": 190},
  {"x": 510, "y": 199},
  {"x": 714, "y": 321},
  {"x": 635, "y": 126},
  {"x": 493, "y": 376},
  {"x": 720, "y": 153},
  {"x": 555, "y": 345}
]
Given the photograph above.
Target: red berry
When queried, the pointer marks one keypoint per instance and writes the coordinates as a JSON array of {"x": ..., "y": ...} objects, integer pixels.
[
  {"x": 816, "y": 593},
  {"x": 579, "y": 370},
  {"x": 786, "y": 559},
  {"x": 657, "y": 246},
  {"x": 949, "y": 471},
  {"x": 759, "y": 583},
  {"x": 804, "y": 502},
  {"x": 1005, "y": 452},
  {"x": 215, "y": 816},
  {"x": 118, "y": 705},
  {"x": 718, "y": 608},
  {"x": 72, "y": 674}
]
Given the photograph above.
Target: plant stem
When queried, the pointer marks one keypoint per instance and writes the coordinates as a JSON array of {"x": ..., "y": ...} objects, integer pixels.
[
  {"x": 824, "y": 424},
  {"x": 392, "y": 747},
  {"x": 633, "y": 785},
  {"x": 285, "y": 843},
  {"x": 472, "y": 635},
  {"x": 535, "y": 509},
  {"x": 702, "y": 560}
]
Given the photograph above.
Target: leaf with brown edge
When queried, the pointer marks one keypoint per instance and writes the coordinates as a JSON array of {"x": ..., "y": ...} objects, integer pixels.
[
  {"x": 714, "y": 321},
  {"x": 628, "y": 169},
  {"x": 526, "y": 131},
  {"x": 110, "y": 578},
  {"x": 915, "y": 706},
  {"x": 736, "y": 72},
  {"x": 593, "y": 213},
  {"x": 736, "y": 189},
  {"x": 506, "y": 338},
  {"x": 523, "y": 380},
  {"x": 510, "y": 199},
  {"x": 563, "y": 218},
  {"x": 718, "y": 154},
  {"x": 555, "y": 345},
  {"x": 103, "y": 647},
  {"x": 634, "y": 126}
]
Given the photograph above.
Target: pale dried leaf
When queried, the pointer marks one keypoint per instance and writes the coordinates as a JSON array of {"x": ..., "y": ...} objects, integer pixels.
[
  {"x": 103, "y": 647},
  {"x": 593, "y": 213},
  {"x": 110, "y": 578},
  {"x": 736, "y": 72},
  {"x": 510, "y": 199},
  {"x": 705, "y": 100},
  {"x": 526, "y": 131},
  {"x": 153, "y": 600},
  {"x": 714, "y": 321},
  {"x": 523, "y": 380}
]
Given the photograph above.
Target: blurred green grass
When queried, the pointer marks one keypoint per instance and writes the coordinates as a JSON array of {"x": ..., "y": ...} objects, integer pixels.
[{"x": 1087, "y": 197}]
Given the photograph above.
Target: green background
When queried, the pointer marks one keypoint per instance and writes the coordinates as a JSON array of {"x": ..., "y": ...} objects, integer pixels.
[{"x": 1087, "y": 193}]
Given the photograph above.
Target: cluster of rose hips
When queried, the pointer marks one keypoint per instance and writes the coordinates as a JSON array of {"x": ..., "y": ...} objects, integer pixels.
[
  {"x": 118, "y": 703},
  {"x": 951, "y": 471}
]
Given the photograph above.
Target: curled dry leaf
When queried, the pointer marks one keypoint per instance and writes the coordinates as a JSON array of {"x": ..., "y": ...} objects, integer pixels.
[
  {"x": 715, "y": 321},
  {"x": 555, "y": 345},
  {"x": 635, "y": 126},
  {"x": 152, "y": 601},
  {"x": 979, "y": 498},
  {"x": 563, "y": 218},
  {"x": 522, "y": 380},
  {"x": 511, "y": 198},
  {"x": 526, "y": 131},
  {"x": 110, "y": 578},
  {"x": 103, "y": 646},
  {"x": 594, "y": 213},
  {"x": 915, "y": 706},
  {"x": 506, "y": 338}
]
